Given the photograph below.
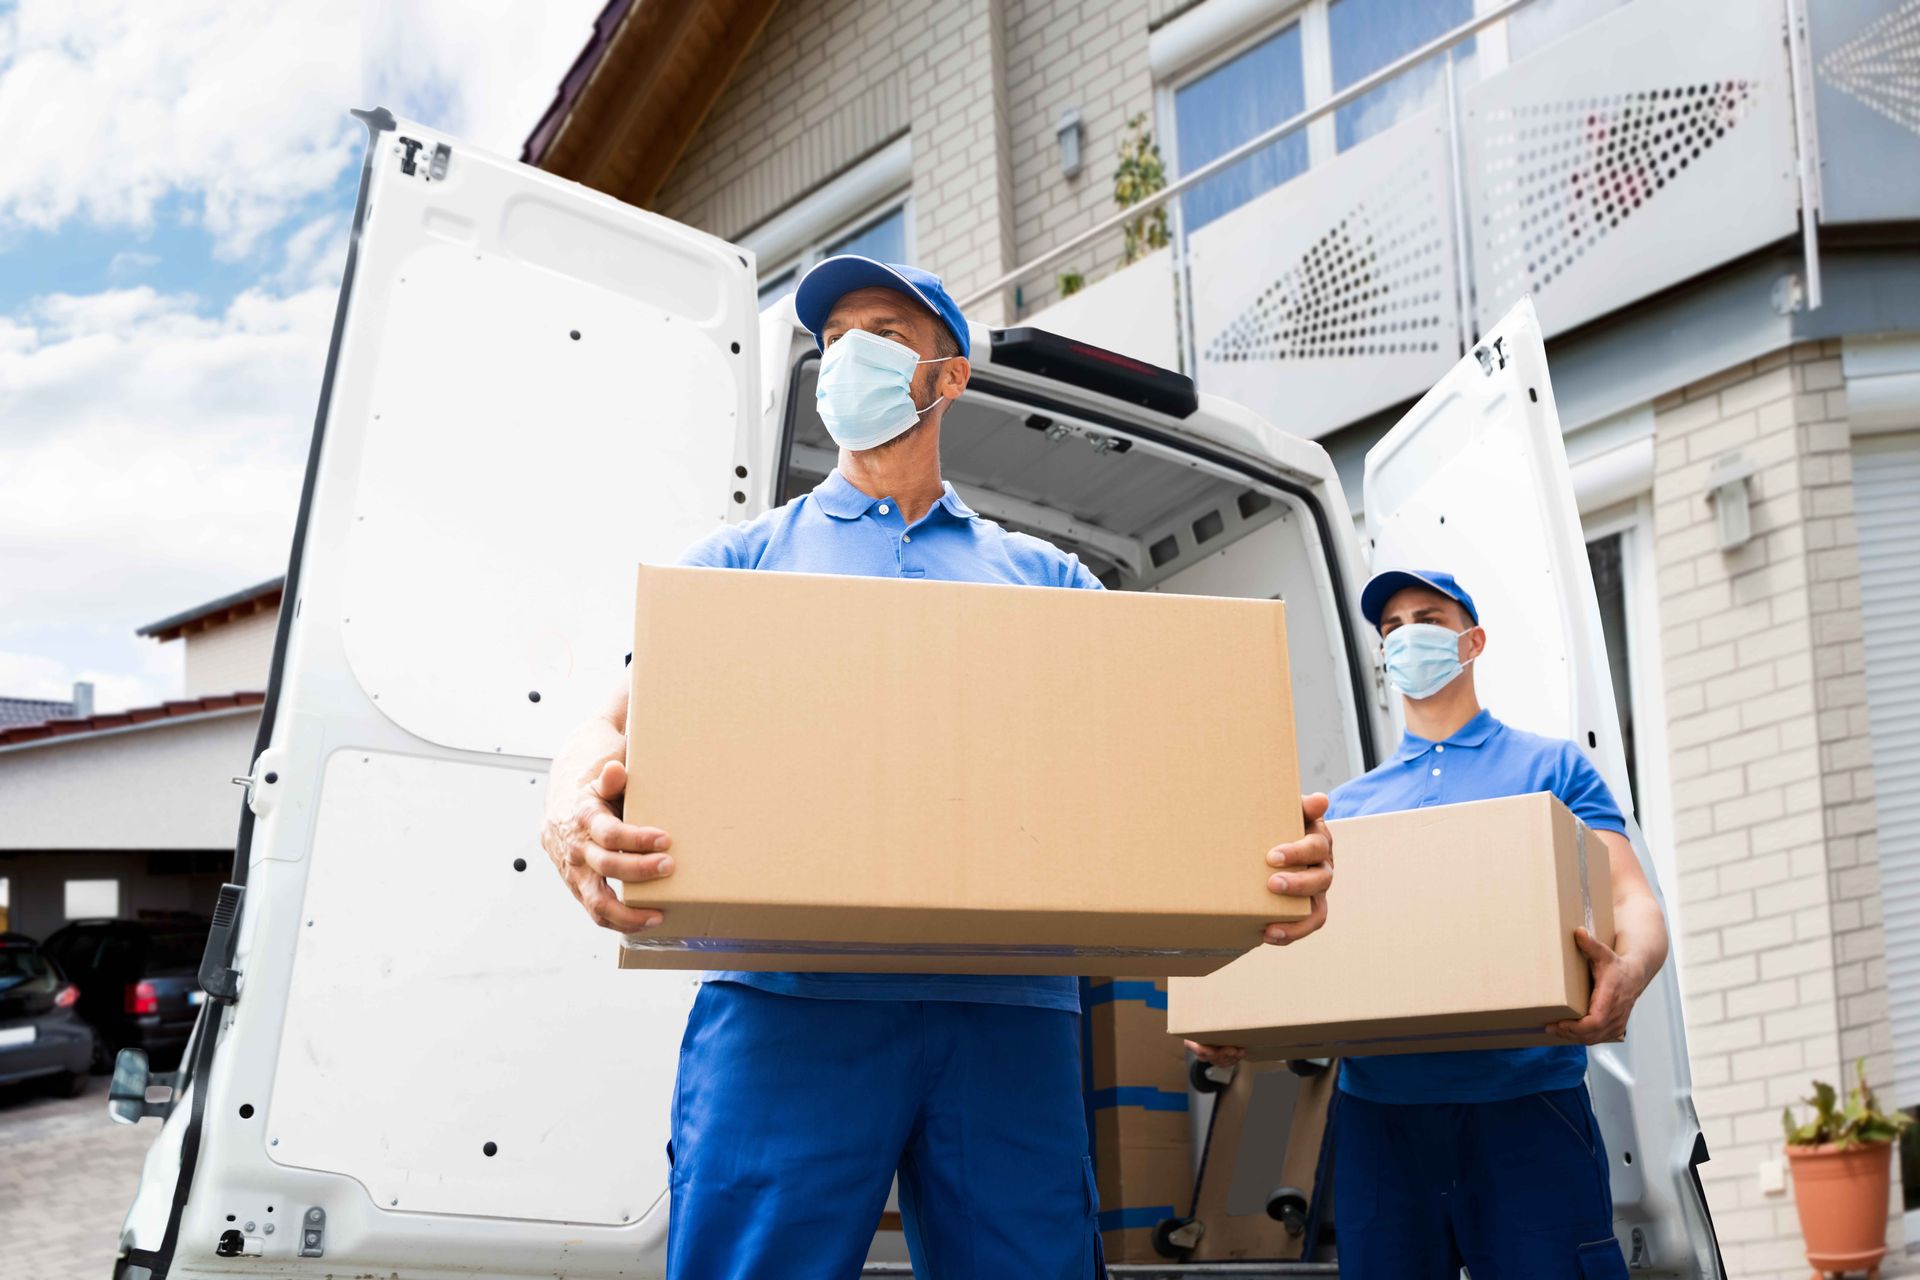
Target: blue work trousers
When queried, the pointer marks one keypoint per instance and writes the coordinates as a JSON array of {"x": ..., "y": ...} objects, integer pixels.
[
  {"x": 1513, "y": 1190},
  {"x": 792, "y": 1115}
]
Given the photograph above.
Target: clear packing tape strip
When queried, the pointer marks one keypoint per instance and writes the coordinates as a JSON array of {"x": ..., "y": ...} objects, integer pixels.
[{"x": 797, "y": 947}]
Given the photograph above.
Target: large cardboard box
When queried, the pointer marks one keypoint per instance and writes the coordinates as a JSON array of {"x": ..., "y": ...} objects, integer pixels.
[
  {"x": 1448, "y": 928},
  {"x": 882, "y": 775},
  {"x": 1140, "y": 1123}
]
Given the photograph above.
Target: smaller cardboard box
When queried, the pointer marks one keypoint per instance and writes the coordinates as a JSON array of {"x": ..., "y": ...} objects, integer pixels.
[
  {"x": 1138, "y": 1105},
  {"x": 881, "y": 775},
  {"x": 1448, "y": 928}
]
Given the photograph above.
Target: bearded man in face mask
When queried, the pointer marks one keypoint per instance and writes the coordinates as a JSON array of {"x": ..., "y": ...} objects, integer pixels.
[
  {"x": 1488, "y": 1158},
  {"x": 801, "y": 1095}
]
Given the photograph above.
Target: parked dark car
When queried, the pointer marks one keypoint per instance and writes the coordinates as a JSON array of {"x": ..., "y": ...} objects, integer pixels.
[
  {"x": 139, "y": 982},
  {"x": 41, "y": 1035}
]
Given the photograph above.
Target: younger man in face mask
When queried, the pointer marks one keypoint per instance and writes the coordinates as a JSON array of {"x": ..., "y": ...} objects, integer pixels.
[{"x": 1488, "y": 1159}]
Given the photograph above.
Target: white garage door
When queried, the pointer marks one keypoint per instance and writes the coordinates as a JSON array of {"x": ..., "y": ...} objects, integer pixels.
[{"x": 1886, "y": 485}]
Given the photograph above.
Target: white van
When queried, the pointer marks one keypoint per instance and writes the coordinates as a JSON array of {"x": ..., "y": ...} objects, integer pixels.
[{"x": 417, "y": 1056}]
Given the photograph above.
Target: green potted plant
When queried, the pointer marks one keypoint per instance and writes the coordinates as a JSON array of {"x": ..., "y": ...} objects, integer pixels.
[{"x": 1842, "y": 1160}]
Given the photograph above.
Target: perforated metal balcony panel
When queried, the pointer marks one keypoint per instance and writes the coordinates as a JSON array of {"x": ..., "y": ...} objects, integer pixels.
[
  {"x": 1647, "y": 148},
  {"x": 1866, "y": 74},
  {"x": 1334, "y": 295}
]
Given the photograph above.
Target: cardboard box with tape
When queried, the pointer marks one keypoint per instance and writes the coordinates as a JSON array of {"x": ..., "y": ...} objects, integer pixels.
[
  {"x": 867, "y": 774},
  {"x": 1138, "y": 1113},
  {"x": 1449, "y": 928}
]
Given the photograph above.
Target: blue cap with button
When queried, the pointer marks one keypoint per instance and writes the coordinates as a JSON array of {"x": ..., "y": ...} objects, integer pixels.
[
  {"x": 1373, "y": 599},
  {"x": 836, "y": 277}
]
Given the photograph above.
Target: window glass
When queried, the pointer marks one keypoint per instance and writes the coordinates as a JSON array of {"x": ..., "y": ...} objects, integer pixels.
[
  {"x": 778, "y": 287},
  {"x": 176, "y": 949},
  {"x": 87, "y": 898},
  {"x": 1237, "y": 100},
  {"x": 21, "y": 964},
  {"x": 1366, "y": 35},
  {"x": 884, "y": 239}
]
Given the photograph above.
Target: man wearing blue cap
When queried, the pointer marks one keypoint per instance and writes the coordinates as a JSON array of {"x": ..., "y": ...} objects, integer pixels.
[
  {"x": 1487, "y": 1159},
  {"x": 801, "y": 1095}
]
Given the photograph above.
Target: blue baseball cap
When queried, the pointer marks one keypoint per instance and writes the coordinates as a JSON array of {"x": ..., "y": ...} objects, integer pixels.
[
  {"x": 1373, "y": 600},
  {"x": 836, "y": 277}
]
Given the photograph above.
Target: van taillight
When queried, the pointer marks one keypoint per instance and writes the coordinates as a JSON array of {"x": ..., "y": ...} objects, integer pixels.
[
  {"x": 69, "y": 996},
  {"x": 142, "y": 997}
]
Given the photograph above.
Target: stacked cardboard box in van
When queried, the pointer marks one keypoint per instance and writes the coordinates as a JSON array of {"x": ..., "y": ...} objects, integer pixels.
[{"x": 1137, "y": 1113}]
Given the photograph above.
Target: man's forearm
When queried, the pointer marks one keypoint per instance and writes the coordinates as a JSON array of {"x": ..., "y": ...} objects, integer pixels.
[
  {"x": 586, "y": 749},
  {"x": 1640, "y": 933}
]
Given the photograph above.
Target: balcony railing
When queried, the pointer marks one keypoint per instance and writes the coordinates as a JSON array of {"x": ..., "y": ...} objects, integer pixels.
[{"x": 1653, "y": 144}]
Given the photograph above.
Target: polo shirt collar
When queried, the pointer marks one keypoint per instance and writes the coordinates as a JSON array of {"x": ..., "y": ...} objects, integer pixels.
[
  {"x": 1473, "y": 733},
  {"x": 837, "y": 497}
]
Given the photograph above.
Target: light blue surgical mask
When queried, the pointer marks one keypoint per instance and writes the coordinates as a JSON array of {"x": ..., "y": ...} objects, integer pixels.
[
  {"x": 865, "y": 392},
  {"x": 1422, "y": 659}
]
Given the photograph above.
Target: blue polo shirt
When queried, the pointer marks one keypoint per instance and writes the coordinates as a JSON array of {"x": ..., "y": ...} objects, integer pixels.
[
  {"x": 839, "y": 529},
  {"x": 1483, "y": 760}
]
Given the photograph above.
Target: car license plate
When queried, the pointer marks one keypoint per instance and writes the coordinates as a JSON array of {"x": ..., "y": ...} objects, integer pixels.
[
  {"x": 10, "y": 1037},
  {"x": 196, "y": 997}
]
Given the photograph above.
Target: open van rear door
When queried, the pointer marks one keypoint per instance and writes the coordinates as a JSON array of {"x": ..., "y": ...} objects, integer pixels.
[
  {"x": 1474, "y": 480},
  {"x": 433, "y": 1061}
]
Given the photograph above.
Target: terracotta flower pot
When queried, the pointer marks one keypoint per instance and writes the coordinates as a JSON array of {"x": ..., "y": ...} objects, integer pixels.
[{"x": 1842, "y": 1198}]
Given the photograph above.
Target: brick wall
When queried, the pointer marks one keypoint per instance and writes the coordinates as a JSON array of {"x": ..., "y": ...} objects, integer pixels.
[
  {"x": 825, "y": 85},
  {"x": 1091, "y": 56},
  {"x": 1779, "y": 940},
  {"x": 831, "y": 81},
  {"x": 231, "y": 657},
  {"x": 979, "y": 85}
]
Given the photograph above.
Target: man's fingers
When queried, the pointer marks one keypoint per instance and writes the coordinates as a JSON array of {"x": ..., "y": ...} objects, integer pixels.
[
  {"x": 611, "y": 782},
  {"x": 1314, "y": 807},
  {"x": 1217, "y": 1055},
  {"x": 1306, "y": 883},
  {"x": 1596, "y": 951},
  {"x": 610, "y": 832},
  {"x": 630, "y": 868},
  {"x": 611, "y": 913},
  {"x": 1280, "y": 935}
]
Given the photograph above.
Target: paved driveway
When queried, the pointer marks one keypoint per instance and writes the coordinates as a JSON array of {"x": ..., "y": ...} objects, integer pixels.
[{"x": 67, "y": 1174}]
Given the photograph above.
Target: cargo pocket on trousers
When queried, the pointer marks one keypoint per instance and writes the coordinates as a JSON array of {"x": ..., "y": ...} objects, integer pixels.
[{"x": 1601, "y": 1260}]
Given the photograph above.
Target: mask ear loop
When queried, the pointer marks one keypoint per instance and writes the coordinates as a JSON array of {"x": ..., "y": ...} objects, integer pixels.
[{"x": 937, "y": 399}]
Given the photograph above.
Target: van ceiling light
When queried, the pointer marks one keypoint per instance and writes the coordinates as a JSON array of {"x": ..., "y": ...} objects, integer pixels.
[
  {"x": 1730, "y": 495},
  {"x": 1069, "y": 132}
]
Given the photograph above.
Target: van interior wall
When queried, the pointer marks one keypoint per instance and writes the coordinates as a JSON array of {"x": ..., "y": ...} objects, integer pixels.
[{"x": 1143, "y": 519}]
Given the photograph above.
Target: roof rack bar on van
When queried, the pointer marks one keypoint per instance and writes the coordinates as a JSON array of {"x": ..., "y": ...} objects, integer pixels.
[{"x": 1358, "y": 89}]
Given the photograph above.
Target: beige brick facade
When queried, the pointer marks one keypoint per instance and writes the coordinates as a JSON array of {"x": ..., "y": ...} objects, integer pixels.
[
  {"x": 1778, "y": 895},
  {"x": 978, "y": 86}
]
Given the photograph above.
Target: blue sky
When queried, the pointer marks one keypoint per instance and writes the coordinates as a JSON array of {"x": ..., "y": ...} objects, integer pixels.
[{"x": 173, "y": 214}]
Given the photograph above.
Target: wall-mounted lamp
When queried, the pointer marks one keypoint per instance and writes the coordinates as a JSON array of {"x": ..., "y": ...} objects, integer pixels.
[
  {"x": 1069, "y": 131},
  {"x": 1730, "y": 493}
]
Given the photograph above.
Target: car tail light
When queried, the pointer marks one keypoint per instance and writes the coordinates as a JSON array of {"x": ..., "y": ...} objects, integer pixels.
[
  {"x": 68, "y": 997},
  {"x": 142, "y": 997}
]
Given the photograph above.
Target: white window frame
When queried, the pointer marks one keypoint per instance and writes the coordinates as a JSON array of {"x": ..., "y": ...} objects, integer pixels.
[
  {"x": 1215, "y": 32},
  {"x": 796, "y": 238}
]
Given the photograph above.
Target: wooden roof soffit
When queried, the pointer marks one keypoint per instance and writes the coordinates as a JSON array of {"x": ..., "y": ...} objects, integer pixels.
[{"x": 656, "y": 83}]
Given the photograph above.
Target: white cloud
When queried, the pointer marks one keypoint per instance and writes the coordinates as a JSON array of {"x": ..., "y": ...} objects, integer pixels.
[
  {"x": 241, "y": 107},
  {"x": 151, "y": 459},
  {"x": 151, "y": 443}
]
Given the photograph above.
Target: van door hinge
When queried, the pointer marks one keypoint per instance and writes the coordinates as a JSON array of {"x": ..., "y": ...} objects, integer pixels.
[{"x": 432, "y": 167}]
